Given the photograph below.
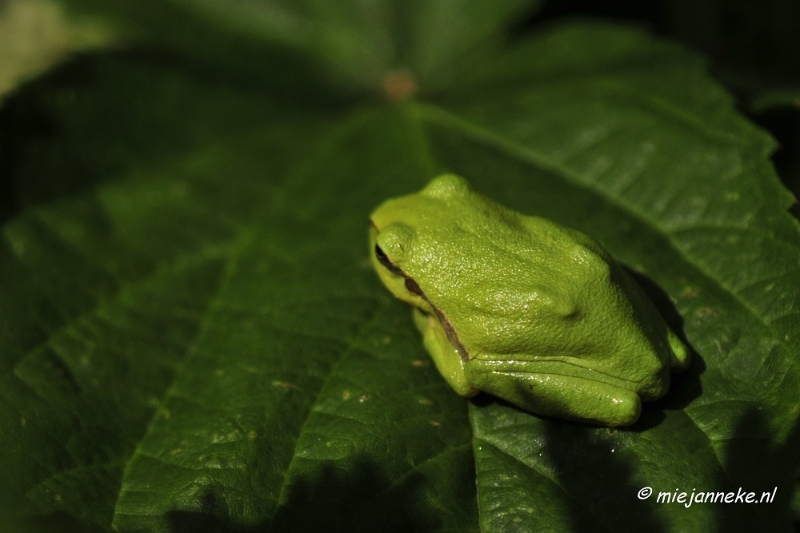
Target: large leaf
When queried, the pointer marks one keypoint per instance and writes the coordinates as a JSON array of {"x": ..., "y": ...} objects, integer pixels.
[{"x": 197, "y": 342}]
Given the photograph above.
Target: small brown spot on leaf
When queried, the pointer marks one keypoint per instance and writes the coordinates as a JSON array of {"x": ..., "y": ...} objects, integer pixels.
[
  {"x": 420, "y": 363},
  {"x": 363, "y": 398},
  {"x": 346, "y": 395},
  {"x": 434, "y": 423},
  {"x": 399, "y": 85}
]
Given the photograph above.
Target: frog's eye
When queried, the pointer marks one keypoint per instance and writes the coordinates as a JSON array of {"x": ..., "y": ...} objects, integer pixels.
[
  {"x": 392, "y": 246},
  {"x": 383, "y": 259},
  {"x": 411, "y": 285}
]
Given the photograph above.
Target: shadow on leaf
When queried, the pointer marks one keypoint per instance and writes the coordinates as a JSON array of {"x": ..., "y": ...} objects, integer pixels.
[
  {"x": 57, "y": 522},
  {"x": 332, "y": 498},
  {"x": 589, "y": 471},
  {"x": 752, "y": 464},
  {"x": 662, "y": 301}
]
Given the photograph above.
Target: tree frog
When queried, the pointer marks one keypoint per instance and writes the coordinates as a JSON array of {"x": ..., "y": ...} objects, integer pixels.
[{"x": 522, "y": 308}]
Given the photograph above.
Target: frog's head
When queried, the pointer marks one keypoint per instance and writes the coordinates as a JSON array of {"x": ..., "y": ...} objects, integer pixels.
[
  {"x": 403, "y": 236},
  {"x": 392, "y": 248}
]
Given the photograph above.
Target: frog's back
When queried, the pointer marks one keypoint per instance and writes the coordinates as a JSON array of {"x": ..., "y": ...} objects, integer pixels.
[{"x": 574, "y": 304}]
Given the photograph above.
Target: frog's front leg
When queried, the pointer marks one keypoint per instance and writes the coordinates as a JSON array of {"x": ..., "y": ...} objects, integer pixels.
[
  {"x": 447, "y": 359},
  {"x": 562, "y": 396}
]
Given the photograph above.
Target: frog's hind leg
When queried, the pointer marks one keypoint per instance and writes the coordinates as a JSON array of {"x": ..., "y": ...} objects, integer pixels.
[{"x": 560, "y": 396}]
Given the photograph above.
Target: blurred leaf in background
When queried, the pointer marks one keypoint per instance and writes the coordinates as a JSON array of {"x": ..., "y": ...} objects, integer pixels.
[
  {"x": 34, "y": 35},
  {"x": 192, "y": 339}
]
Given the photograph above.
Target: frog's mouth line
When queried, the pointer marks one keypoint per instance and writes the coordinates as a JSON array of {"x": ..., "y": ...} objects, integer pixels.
[{"x": 414, "y": 288}]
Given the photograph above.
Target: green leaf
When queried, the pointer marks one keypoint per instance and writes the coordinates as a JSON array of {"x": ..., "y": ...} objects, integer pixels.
[{"x": 192, "y": 338}]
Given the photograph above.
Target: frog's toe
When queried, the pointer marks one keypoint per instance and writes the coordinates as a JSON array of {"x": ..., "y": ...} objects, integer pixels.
[{"x": 681, "y": 356}]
